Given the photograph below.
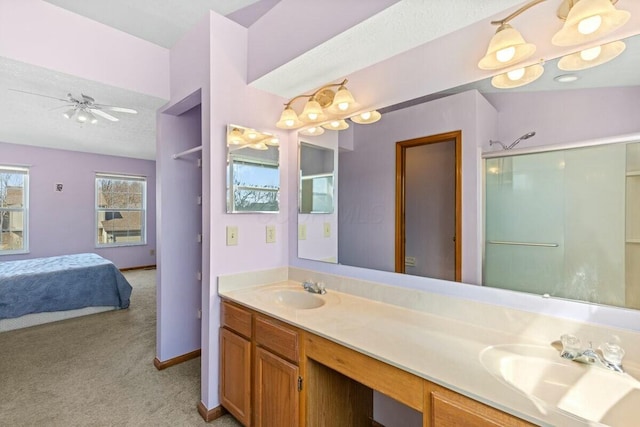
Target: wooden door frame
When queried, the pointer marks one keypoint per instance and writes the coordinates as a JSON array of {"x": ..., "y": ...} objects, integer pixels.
[{"x": 401, "y": 153}]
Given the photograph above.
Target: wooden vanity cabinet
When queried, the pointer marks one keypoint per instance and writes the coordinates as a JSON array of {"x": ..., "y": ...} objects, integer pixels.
[
  {"x": 259, "y": 368},
  {"x": 235, "y": 362},
  {"x": 263, "y": 362}
]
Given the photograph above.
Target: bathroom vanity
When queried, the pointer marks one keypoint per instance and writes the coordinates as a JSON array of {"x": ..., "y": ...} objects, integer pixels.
[{"x": 290, "y": 357}]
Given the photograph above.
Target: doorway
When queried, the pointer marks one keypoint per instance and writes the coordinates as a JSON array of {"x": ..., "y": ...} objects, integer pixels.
[{"x": 429, "y": 206}]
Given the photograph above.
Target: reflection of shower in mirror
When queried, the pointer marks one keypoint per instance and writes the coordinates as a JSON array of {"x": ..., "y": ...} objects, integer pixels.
[{"x": 514, "y": 143}]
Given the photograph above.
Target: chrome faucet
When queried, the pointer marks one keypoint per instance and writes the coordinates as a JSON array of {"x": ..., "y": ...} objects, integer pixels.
[
  {"x": 314, "y": 288},
  {"x": 608, "y": 356}
]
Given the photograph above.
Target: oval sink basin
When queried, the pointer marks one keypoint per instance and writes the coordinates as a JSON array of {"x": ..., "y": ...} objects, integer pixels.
[
  {"x": 550, "y": 382},
  {"x": 299, "y": 300}
]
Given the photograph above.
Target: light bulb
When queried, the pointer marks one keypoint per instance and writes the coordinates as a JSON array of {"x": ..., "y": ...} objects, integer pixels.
[
  {"x": 516, "y": 74},
  {"x": 313, "y": 116},
  {"x": 289, "y": 122},
  {"x": 335, "y": 124},
  {"x": 343, "y": 106},
  {"x": 312, "y": 130},
  {"x": 82, "y": 116},
  {"x": 506, "y": 54},
  {"x": 590, "y": 25},
  {"x": 366, "y": 116},
  {"x": 252, "y": 135},
  {"x": 591, "y": 54}
]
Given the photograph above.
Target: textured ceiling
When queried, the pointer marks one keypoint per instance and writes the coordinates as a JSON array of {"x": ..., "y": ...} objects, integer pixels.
[
  {"x": 162, "y": 22},
  {"x": 35, "y": 120}
]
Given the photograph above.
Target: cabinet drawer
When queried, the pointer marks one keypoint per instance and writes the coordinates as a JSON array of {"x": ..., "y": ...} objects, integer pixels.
[
  {"x": 277, "y": 338},
  {"x": 236, "y": 319}
]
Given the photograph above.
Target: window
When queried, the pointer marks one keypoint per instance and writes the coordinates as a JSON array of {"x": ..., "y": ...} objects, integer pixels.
[
  {"x": 121, "y": 203},
  {"x": 14, "y": 188},
  {"x": 254, "y": 185}
]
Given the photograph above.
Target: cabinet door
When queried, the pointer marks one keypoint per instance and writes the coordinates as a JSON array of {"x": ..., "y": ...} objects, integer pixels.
[
  {"x": 276, "y": 391},
  {"x": 445, "y": 408},
  {"x": 235, "y": 375}
]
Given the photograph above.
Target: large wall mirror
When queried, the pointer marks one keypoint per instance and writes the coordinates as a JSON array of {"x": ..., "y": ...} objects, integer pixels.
[
  {"x": 603, "y": 103},
  {"x": 253, "y": 171}
]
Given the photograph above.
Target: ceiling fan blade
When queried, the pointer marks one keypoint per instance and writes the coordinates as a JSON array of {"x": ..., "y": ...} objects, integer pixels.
[
  {"x": 62, "y": 106},
  {"x": 89, "y": 100},
  {"x": 116, "y": 109},
  {"x": 39, "y": 94},
  {"x": 103, "y": 114}
]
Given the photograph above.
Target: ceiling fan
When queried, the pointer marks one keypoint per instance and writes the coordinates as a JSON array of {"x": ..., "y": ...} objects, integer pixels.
[{"x": 84, "y": 108}]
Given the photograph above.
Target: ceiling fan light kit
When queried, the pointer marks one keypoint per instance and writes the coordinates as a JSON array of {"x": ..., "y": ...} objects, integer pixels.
[{"x": 84, "y": 108}]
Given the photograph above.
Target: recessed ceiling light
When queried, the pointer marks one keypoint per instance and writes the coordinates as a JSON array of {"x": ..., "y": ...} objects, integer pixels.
[{"x": 566, "y": 78}]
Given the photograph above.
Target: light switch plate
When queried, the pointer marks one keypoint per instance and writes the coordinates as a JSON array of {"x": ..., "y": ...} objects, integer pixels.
[
  {"x": 271, "y": 233},
  {"x": 327, "y": 229},
  {"x": 302, "y": 232},
  {"x": 232, "y": 235}
]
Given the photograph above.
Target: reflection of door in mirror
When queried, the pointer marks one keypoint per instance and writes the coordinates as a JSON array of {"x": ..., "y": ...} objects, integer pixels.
[{"x": 428, "y": 203}]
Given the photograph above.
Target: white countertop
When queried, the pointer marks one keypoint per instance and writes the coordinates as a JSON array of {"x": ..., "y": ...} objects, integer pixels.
[{"x": 437, "y": 348}]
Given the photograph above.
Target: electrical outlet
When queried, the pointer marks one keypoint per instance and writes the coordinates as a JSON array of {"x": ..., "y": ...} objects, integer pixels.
[
  {"x": 232, "y": 235},
  {"x": 271, "y": 233},
  {"x": 302, "y": 232},
  {"x": 327, "y": 229}
]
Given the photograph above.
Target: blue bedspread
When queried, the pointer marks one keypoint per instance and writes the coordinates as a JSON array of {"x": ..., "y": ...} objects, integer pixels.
[{"x": 60, "y": 283}]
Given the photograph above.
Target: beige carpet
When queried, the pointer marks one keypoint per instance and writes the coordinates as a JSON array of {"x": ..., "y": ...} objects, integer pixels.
[{"x": 98, "y": 370}]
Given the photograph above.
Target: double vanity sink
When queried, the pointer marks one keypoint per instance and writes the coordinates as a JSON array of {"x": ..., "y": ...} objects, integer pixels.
[{"x": 526, "y": 378}]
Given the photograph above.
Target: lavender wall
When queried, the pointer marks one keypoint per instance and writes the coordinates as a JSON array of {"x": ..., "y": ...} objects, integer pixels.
[
  {"x": 64, "y": 222},
  {"x": 272, "y": 44},
  {"x": 232, "y": 101},
  {"x": 566, "y": 116}
]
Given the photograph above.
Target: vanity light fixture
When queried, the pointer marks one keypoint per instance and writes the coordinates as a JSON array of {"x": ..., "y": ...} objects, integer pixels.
[
  {"x": 518, "y": 77},
  {"x": 251, "y": 138},
  {"x": 326, "y": 103},
  {"x": 588, "y": 20},
  {"x": 507, "y": 47},
  {"x": 591, "y": 57}
]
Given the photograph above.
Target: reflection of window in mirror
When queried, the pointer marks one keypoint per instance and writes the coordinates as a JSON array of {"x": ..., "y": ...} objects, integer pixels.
[
  {"x": 316, "y": 179},
  {"x": 253, "y": 175}
]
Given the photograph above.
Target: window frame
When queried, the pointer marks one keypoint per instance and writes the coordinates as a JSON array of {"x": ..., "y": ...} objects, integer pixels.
[
  {"x": 97, "y": 209},
  {"x": 24, "y": 170}
]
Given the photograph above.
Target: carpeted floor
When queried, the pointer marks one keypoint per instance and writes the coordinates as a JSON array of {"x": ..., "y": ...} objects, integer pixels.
[{"x": 98, "y": 370}]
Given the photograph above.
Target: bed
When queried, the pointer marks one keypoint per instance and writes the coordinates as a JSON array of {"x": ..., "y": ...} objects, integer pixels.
[{"x": 59, "y": 287}]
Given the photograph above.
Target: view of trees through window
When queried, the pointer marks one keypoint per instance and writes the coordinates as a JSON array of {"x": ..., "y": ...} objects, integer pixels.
[
  {"x": 13, "y": 219},
  {"x": 120, "y": 209},
  {"x": 255, "y": 186}
]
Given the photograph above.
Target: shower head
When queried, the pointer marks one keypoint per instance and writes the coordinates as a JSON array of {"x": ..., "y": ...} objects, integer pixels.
[{"x": 525, "y": 136}]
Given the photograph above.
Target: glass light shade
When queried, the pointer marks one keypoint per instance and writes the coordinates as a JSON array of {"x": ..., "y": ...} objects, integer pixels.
[
  {"x": 69, "y": 113},
  {"x": 581, "y": 25},
  {"x": 235, "y": 137},
  {"x": 82, "y": 116},
  {"x": 312, "y": 131},
  {"x": 531, "y": 73},
  {"x": 259, "y": 146},
  {"x": 336, "y": 125},
  {"x": 587, "y": 58},
  {"x": 251, "y": 134},
  {"x": 272, "y": 140},
  {"x": 312, "y": 112},
  {"x": 507, "y": 47},
  {"x": 343, "y": 101},
  {"x": 366, "y": 117},
  {"x": 289, "y": 119}
]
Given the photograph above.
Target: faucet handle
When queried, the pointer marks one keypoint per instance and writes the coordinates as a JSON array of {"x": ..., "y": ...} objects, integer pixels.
[
  {"x": 571, "y": 346},
  {"x": 612, "y": 351}
]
